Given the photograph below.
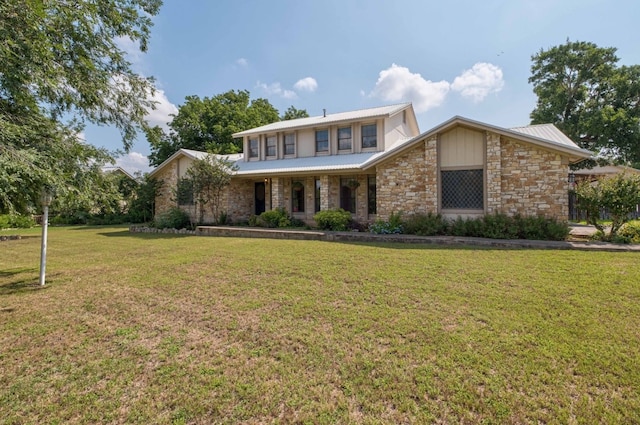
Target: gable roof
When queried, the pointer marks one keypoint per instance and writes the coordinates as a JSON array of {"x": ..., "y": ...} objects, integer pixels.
[
  {"x": 323, "y": 120},
  {"x": 190, "y": 153},
  {"x": 553, "y": 138}
]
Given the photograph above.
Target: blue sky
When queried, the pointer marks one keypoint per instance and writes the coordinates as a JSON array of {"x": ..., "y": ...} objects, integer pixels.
[{"x": 468, "y": 58}]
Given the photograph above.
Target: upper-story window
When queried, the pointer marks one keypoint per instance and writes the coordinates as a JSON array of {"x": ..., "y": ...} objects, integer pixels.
[
  {"x": 271, "y": 145},
  {"x": 290, "y": 144},
  {"x": 253, "y": 148},
  {"x": 322, "y": 140},
  {"x": 369, "y": 136},
  {"x": 344, "y": 138}
]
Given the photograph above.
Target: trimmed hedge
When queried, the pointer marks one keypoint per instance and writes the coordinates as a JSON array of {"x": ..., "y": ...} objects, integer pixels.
[{"x": 336, "y": 219}]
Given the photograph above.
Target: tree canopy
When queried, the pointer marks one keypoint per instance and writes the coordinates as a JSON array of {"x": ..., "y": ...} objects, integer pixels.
[
  {"x": 293, "y": 113},
  {"x": 595, "y": 102},
  {"x": 207, "y": 124},
  {"x": 60, "y": 66}
]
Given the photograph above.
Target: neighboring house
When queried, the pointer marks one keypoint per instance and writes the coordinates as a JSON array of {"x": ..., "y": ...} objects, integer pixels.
[
  {"x": 375, "y": 162},
  {"x": 593, "y": 175}
]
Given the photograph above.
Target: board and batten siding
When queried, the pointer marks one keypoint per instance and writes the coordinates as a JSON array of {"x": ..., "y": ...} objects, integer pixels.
[{"x": 462, "y": 147}]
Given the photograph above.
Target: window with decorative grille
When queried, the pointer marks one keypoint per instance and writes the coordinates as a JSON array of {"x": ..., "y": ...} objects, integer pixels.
[{"x": 462, "y": 189}]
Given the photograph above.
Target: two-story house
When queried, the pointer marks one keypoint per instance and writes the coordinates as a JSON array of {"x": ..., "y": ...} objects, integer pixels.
[{"x": 374, "y": 162}]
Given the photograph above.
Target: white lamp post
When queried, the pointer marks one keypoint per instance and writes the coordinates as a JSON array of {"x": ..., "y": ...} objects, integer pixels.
[{"x": 46, "y": 199}]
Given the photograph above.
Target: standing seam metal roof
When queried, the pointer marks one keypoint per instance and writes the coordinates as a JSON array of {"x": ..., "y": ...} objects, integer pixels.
[{"x": 321, "y": 120}]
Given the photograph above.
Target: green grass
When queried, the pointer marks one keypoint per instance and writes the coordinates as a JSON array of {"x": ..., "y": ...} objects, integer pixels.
[{"x": 153, "y": 328}]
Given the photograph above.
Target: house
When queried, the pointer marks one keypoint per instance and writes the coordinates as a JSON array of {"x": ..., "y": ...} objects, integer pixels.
[
  {"x": 374, "y": 162},
  {"x": 593, "y": 175}
]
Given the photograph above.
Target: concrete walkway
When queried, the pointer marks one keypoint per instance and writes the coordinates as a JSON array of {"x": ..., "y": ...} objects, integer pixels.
[{"x": 250, "y": 232}]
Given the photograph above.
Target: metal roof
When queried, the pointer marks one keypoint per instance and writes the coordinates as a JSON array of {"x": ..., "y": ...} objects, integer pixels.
[
  {"x": 607, "y": 169},
  {"x": 306, "y": 164},
  {"x": 322, "y": 120},
  {"x": 546, "y": 131}
]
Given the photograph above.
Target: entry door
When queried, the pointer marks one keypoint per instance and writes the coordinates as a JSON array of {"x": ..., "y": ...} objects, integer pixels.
[{"x": 259, "y": 198}]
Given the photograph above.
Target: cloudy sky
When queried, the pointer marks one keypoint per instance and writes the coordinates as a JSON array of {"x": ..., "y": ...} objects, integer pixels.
[{"x": 460, "y": 57}]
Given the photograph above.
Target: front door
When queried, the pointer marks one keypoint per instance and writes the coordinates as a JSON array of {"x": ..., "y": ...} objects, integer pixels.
[{"x": 259, "y": 198}]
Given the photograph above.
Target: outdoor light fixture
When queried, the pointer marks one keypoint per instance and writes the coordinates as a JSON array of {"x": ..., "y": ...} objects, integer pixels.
[{"x": 45, "y": 199}]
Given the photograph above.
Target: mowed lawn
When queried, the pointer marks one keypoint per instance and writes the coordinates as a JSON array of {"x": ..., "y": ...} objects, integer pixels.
[{"x": 148, "y": 328}]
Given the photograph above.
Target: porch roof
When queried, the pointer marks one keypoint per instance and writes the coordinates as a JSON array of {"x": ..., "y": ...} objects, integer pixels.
[{"x": 306, "y": 165}]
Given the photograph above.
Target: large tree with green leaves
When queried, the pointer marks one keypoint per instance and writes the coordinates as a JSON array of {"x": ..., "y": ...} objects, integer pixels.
[
  {"x": 595, "y": 102},
  {"x": 293, "y": 113},
  {"x": 207, "y": 124},
  {"x": 61, "y": 66}
]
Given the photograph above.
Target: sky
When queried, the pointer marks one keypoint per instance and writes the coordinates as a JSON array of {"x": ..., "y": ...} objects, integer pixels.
[{"x": 458, "y": 57}]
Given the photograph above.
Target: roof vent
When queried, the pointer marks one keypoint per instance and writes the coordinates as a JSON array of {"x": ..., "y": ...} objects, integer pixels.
[{"x": 324, "y": 113}]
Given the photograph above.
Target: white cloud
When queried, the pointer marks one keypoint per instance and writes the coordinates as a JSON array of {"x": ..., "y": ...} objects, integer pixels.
[
  {"x": 242, "y": 62},
  {"x": 134, "y": 162},
  {"x": 131, "y": 49},
  {"x": 398, "y": 83},
  {"x": 276, "y": 89},
  {"x": 161, "y": 115},
  {"x": 479, "y": 81},
  {"x": 306, "y": 84}
]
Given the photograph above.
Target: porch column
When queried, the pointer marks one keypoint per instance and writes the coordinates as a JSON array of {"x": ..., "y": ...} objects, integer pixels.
[
  {"x": 277, "y": 193},
  {"x": 324, "y": 193}
]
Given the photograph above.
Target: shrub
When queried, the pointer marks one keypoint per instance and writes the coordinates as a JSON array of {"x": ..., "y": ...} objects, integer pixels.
[
  {"x": 499, "y": 226},
  {"x": 393, "y": 226},
  {"x": 16, "y": 221},
  {"x": 337, "y": 219},
  {"x": 175, "y": 218},
  {"x": 630, "y": 232},
  {"x": 274, "y": 218},
  {"x": 223, "y": 218},
  {"x": 429, "y": 224}
]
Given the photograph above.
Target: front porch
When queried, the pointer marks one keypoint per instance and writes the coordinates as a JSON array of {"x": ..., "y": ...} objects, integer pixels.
[{"x": 302, "y": 196}]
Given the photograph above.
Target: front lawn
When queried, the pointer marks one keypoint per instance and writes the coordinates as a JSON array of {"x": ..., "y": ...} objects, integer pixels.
[{"x": 158, "y": 328}]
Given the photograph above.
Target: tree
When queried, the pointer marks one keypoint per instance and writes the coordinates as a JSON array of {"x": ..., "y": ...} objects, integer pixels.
[
  {"x": 292, "y": 113},
  {"x": 208, "y": 124},
  {"x": 618, "y": 195},
  {"x": 594, "y": 102},
  {"x": 60, "y": 66},
  {"x": 142, "y": 207},
  {"x": 209, "y": 176}
]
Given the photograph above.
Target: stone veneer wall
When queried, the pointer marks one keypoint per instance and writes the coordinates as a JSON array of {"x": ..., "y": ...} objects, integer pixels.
[
  {"x": 534, "y": 181},
  {"x": 494, "y": 173},
  {"x": 238, "y": 200},
  {"x": 408, "y": 183},
  {"x": 164, "y": 197}
]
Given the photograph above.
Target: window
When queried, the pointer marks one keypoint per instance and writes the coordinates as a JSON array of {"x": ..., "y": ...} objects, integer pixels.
[
  {"x": 369, "y": 136},
  {"x": 297, "y": 196},
  {"x": 184, "y": 193},
  {"x": 371, "y": 195},
  {"x": 344, "y": 138},
  {"x": 271, "y": 145},
  {"x": 462, "y": 189},
  {"x": 253, "y": 148},
  {"x": 289, "y": 144},
  {"x": 348, "y": 188},
  {"x": 317, "y": 197},
  {"x": 322, "y": 141}
]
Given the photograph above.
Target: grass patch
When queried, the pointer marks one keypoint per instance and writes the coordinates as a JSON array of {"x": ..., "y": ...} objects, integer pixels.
[{"x": 146, "y": 328}]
